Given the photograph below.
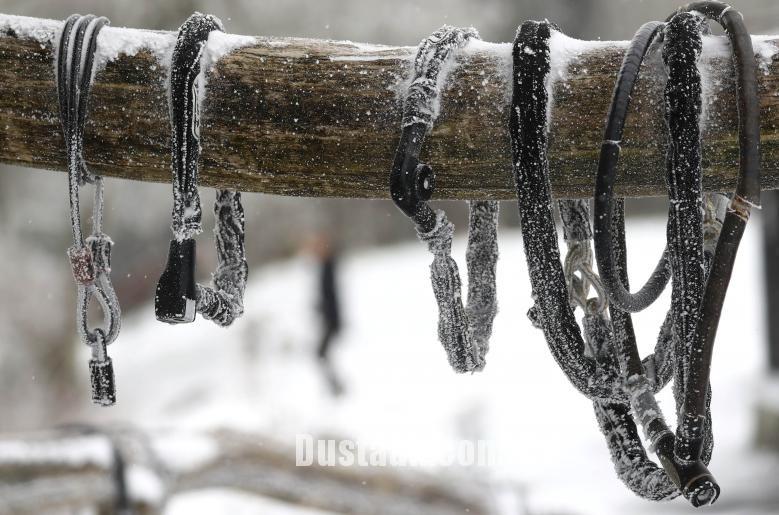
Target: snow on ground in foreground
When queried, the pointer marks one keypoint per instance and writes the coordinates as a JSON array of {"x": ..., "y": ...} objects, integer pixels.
[{"x": 260, "y": 375}]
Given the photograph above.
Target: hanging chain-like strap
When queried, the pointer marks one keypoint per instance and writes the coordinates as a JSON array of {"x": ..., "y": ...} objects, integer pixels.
[
  {"x": 464, "y": 332},
  {"x": 178, "y": 296},
  {"x": 631, "y": 463},
  {"x": 577, "y": 233},
  {"x": 90, "y": 258}
]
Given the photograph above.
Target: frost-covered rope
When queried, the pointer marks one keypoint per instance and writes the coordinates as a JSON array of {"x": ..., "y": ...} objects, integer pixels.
[
  {"x": 631, "y": 463},
  {"x": 694, "y": 423},
  {"x": 463, "y": 332},
  {"x": 552, "y": 311},
  {"x": 683, "y": 46},
  {"x": 685, "y": 254},
  {"x": 689, "y": 253},
  {"x": 90, "y": 258},
  {"x": 604, "y": 184},
  {"x": 178, "y": 295},
  {"x": 691, "y": 240}
]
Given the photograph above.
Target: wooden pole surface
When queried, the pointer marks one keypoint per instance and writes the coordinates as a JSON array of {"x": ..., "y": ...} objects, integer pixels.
[{"x": 306, "y": 117}]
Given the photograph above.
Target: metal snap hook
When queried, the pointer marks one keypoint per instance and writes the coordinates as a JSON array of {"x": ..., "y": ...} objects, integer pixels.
[{"x": 101, "y": 372}]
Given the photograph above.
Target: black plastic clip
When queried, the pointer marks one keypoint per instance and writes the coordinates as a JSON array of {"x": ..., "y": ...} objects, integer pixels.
[
  {"x": 176, "y": 298},
  {"x": 693, "y": 478},
  {"x": 411, "y": 181}
]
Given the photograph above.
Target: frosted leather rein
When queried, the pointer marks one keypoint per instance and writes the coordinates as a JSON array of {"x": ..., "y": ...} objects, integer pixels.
[{"x": 589, "y": 361}]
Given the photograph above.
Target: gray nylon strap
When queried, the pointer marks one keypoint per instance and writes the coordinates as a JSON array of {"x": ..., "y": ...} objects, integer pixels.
[
  {"x": 465, "y": 331},
  {"x": 224, "y": 302}
]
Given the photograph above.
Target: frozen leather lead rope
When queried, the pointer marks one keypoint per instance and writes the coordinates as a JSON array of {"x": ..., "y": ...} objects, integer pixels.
[
  {"x": 528, "y": 128},
  {"x": 683, "y": 46},
  {"x": 464, "y": 332},
  {"x": 90, "y": 258},
  {"x": 685, "y": 243},
  {"x": 689, "y": 444},
  {"x": 631, "y": 463},
  {"x": 687, "y": 238},
  {"x": 607, "y": 174},
  {"x": 178, "y": 295}
]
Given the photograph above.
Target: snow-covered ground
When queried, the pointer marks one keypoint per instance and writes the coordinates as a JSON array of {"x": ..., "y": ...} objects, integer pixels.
[{"x": 261, "y": 375}]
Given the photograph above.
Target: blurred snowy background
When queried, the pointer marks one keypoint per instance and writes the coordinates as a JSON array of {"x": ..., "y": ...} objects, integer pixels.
[{"x": 262, "y": 376}]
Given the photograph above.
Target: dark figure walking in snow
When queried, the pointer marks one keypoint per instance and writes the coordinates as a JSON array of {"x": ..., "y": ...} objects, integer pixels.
[{"x": 329, "y": 309}]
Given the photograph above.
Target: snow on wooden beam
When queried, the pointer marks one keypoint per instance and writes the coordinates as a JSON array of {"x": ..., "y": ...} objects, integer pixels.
[{"x": 306, "y": 117}]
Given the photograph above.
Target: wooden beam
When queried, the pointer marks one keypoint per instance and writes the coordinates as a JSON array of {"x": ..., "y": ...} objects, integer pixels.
[{"x": 305, "y": 117}]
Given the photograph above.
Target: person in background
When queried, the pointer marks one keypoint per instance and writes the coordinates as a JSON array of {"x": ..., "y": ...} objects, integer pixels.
[{"x": 329, "y": 308}]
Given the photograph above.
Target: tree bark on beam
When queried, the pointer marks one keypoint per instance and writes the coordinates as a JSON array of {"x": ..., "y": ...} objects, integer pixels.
[{"x": 305, "y": 117}]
